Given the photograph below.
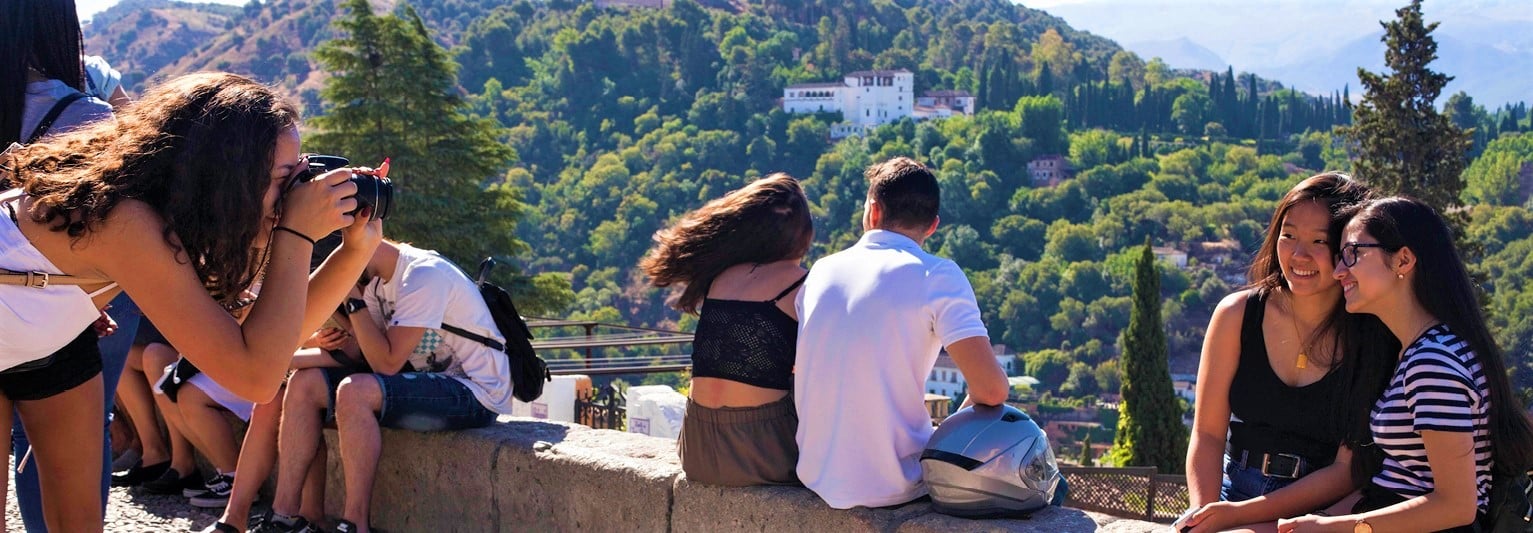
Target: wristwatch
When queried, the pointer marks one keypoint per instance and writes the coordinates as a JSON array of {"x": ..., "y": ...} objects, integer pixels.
[
  {"x": 1362, "y": 526},
  {"x": 353, "y": 305}
]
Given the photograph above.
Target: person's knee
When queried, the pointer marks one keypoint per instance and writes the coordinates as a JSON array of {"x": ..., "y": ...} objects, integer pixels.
[
  {"x": 155, "y": 358},
  {"x": 307, "y": 387},
  {"x": 358, "y": 396}
]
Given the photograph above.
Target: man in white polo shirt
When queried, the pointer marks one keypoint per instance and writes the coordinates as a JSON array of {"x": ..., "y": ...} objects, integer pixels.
[{"x": 872, "y": 320}]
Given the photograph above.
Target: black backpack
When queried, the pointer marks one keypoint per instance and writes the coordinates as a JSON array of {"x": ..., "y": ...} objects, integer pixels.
[
  {"x": 528, "y": 371},
  {"x": 1511, "y": 504}
]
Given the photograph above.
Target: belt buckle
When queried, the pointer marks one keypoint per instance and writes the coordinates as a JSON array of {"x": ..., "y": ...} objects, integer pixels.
[
  {"x": 1267, "y": 465},
  {"x": 37, "y": 280}
]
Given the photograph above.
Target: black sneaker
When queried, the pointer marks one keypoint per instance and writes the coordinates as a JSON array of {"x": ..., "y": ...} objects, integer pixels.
[
  {"x": 215, "y": 494},
  {"x": 139, "y": 474},
  {"x": 172, "y": 483},
  {"x": 345, "y": 526},
  {"x": 219, "y": 527},
  {"x": 275, "y": 523}
]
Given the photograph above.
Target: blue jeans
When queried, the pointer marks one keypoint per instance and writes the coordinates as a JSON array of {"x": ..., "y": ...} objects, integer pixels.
[
  {"x": 114, "y": 355},
  {"x": 427, "y": 401},
  {"x": 1243, "y": 483}
]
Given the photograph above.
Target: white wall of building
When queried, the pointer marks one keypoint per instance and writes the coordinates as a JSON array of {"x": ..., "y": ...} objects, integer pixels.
[{"x": 949, "y": 381}]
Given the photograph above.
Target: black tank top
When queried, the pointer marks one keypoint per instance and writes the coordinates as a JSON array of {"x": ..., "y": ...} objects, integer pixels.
[
  {"x": 1274, "y": 417},
  {"x": 745, "y": 341}
]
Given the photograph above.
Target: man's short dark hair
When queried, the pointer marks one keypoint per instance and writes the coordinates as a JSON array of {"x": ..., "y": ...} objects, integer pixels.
[{"x": 907, "y": 192}]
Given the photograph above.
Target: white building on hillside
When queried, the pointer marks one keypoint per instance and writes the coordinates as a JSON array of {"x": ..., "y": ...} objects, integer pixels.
[
  {"x": 866, "y": 99},
  {"x": 947, "y": 380}
]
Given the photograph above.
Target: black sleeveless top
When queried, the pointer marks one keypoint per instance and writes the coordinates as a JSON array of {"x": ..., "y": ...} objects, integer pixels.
[
  {"x": 745, "y": 341},
  {"x": 1272, "y": 417}
]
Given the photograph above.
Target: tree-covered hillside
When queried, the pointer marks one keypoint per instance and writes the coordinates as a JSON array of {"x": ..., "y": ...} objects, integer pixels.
[{"x": 623, "y": 118}]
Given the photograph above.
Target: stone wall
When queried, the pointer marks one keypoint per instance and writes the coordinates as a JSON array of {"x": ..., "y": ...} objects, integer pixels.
[{"x": 531, "y": 475}]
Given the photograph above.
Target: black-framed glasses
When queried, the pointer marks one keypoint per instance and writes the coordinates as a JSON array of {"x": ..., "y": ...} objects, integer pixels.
[{"x": 1349, "y": 251}]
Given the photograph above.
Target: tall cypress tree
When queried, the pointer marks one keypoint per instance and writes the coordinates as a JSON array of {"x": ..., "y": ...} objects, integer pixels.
[
  {"x": 1404, "y": 145},
  {"x": 1150, "y": 430},
  {"x": 394, "y": 93}
]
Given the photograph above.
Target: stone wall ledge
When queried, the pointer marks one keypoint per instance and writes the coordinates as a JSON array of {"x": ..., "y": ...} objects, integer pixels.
[{"x": 523, "y": 474}]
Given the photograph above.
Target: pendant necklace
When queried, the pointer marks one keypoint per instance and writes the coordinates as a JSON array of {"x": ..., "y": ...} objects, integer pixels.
[{"x": 1303, "y": 360}]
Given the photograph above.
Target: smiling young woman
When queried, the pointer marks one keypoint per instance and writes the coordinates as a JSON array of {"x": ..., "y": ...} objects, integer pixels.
[
  {"x": 1447, "y": 419},
  {"x": 1282, "y": 392}
]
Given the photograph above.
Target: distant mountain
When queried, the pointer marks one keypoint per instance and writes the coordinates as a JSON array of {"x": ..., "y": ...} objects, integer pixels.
[
  {"x": 1484, "y": 43},
  {"x": 1490, "y": 75},
  {"x": 1180, "y": 52},
  {"x": 140, "y": 37}
]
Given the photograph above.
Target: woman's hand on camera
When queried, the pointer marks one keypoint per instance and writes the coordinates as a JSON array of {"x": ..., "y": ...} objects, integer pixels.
[
  {"x": 364, "y": 233},
  {"x": 318, "y": 207}
]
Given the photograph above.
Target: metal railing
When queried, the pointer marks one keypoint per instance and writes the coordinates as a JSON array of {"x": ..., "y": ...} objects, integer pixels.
[
  {"x": 602, "y": 409},
  {"x": 1138, "y": 492}
]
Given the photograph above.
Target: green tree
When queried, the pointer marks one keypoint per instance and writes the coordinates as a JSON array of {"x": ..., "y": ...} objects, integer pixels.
[
  {"x": 1150, "y": 430},
  {"x": 1085, "y": 457},
  {"x": 393, "y": 93},
  {"x": 1404, "y": 146}
]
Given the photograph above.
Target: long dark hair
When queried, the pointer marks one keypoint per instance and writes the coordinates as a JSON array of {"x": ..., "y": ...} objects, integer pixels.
[
  {"x": 198, "y": 149},
  {"x": 1364, "y": 346},
  {"x": 1443, "y": 287},
  {"x": 38, "y": 34},
  {"x": 765, "y": 221}
]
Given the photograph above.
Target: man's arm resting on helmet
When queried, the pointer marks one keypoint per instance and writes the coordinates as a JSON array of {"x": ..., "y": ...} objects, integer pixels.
[{"x": 987, "y": 381}]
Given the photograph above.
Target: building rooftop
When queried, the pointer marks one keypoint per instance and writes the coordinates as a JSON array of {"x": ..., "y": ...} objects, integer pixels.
[
  {"x": 945, "y": 93},
  {"x": 861, "y": 73},
  {"x": 818, "y": 85}
]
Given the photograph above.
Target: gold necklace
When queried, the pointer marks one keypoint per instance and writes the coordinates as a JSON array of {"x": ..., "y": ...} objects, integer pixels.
[{"x": 1303, "y": 361}]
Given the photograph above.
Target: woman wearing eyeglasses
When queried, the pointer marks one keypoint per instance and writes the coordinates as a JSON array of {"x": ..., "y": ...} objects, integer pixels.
[
  {"x": 1284, "y": 380},
  {"x": 1448, "y": 418}
]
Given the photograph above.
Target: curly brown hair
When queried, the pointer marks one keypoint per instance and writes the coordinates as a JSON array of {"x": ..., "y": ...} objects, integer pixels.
[
  {"x": 198, "y": 149},
  {"x": 765, "y": 221}
]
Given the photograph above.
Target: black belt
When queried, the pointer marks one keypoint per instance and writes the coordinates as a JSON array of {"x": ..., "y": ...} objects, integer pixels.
[{"x": 1278, "y": 465}]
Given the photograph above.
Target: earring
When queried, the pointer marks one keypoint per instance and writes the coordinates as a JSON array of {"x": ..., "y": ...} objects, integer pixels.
[{"x": 1400, "y": 276}]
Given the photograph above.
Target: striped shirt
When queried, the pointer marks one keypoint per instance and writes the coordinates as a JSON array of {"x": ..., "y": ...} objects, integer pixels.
[{"x": 1438, "y": 386}]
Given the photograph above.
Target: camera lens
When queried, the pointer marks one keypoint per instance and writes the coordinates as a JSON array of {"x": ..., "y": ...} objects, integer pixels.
[{"x": 375, "y": 192}]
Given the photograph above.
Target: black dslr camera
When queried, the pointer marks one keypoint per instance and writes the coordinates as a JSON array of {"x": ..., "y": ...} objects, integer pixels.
[{"x": 374, "y": 191}]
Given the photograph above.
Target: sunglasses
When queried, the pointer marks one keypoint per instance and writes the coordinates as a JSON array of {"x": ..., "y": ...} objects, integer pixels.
[{"x": 1349, "y": 253}]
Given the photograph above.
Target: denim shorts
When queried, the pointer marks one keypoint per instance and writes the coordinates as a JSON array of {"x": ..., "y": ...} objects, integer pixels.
[
  {"x": 1243, "y": 483},
  {"x": 428, "y": 401}
]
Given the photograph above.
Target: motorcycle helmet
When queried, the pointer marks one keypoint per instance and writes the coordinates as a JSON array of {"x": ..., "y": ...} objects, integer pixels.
[{"x": 986, "y": 461}]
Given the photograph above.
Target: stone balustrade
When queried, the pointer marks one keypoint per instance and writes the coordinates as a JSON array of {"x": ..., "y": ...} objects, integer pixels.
[{"x": 531, "y": 475}]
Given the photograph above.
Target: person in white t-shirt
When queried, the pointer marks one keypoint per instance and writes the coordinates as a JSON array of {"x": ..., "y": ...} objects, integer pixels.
[
  {"x": 873, "y": 319},
  {"x": 423, "y": 378}
]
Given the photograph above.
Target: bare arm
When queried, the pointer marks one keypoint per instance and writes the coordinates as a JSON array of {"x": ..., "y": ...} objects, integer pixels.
[
  {"x": 1211, "y": 423},
  {"x": 1451, "y": 503},
  {"x": 1314, "y": 491},
  {"x": 119, "y": 98},
  {"x": 252, "y": 359},
  {"x": 312, "y": 358},
  {"x": 386, "y": 350},
  {"x": 987, "y": 381}
]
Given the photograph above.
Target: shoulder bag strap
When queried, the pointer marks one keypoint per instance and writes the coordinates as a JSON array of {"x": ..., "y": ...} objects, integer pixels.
[{"x": 53, "y": 115}]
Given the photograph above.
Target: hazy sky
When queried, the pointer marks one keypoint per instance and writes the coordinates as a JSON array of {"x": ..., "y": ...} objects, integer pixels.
[{"x": 89, "y": 8}]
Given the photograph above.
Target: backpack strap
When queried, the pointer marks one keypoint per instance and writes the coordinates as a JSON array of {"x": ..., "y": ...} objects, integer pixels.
[
  {"x": 53, "y": 115},
  {"x": 789, "y": 289},
  {"x": 481, "y": 339}
]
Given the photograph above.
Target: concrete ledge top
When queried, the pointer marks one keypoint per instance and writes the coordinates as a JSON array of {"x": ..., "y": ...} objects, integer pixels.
[{"x": 525, "y": 474}]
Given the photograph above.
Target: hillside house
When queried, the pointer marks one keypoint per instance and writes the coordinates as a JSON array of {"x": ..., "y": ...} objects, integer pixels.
[
  {"x": 944, "y": 103},
  {"x": 865, "y": 99},
  {"x": 1170, "y": 255},
  {"x": 1049, "y": 170},
  {"x": 947, "y": 380}
]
